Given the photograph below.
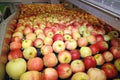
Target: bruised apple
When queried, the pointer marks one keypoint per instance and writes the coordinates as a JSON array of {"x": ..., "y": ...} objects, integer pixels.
[{"x": 31, "y": 75}]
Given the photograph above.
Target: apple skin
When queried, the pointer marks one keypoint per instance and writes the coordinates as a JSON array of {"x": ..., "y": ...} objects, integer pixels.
[
  {"x": 27, "y": 43},
  {"x": 29, "y": 52},
  {"x": 31, "y": 75},
  {"x": 13, "y": 54},
  {"x": 115, "y": 51},
  {"x": 82, "y": 41},
  {"x": 80, "y": 75},
  {"x": 107, "y": 56},
  {"x": 48, "y": 41},
  {"x": 35, "y": 64},
  {"x": 75, "y": 35},
  {"x": 64, "y": 70},
  {"x": 99, "y": 37},
  {"x": 77, "y": 66},
  {"x": 15, "y": 45},
  {"x": 50, "y": 74},
  {"x": 58, "y": 46},
  {"x": 99, "y": 59},
  {"x": 16, "y": 67},
  {"x": 94, "y": 48},
  {"x": 31, "y": 36},
  {"x": 91, "y": 39},
  {"x": 89, "y": 62},
  {"x": 115, "y": 42},
  {"x": 46, "y": 49},
  {"x": 41, "y": 35},
  {"x": 117, "y": 64},
  {"x": 50, "y": 60},
  {"x": 96, "y": 74},
  {"x": 38, "y": 43},
  {"x": 75, "y": 54},
  {"x": 67, "y": 37},
  {"x": 27, "y": 30},
  {"x": 71, "y": 44},
  {"x": 16, "y": 39},
  {"x": 64, "y": 57},
  {"x": 110, "y": 70},
  {"x": 85, "y": 51},
  {"x": 58, "y": 37},
  {"x": 102, "y": 45},
  {"x": 19, "y": 34}
]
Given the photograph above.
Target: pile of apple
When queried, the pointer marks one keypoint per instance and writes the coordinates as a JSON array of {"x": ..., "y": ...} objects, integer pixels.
[{"x": 61, "y": 44}]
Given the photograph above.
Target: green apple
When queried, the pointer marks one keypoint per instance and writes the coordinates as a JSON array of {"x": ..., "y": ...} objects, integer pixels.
[
  {"x": 117, "y": 64},
  {"x": 2, "y": 71},
  {"x": 16, "y": 67},
  {"x": 85, "y": 51}
]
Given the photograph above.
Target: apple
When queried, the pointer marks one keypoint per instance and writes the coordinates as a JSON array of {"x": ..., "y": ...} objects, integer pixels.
[
  {"x": 67, "y": 31},
  {"x": 67, "y": 37},
  {"x": 115, "y": 42},
  {"x": 38, "y": 43},
  {"x": 19, "y": 34},
  {"x": 113, "y": 34},
  {"x": 15, "y": 45},
  {"x": 50, "y": 34},
  {"x": 27, "y": 30},
  {"x": 89, "y": 62},
  {"x": 41, "y": 35},
  {"x": 50, "y": 60},
  {"x": 99, "y": 59},
  {"x": 64, "y": 57},
  {"x": 91, "y": 39},
  {"x": 107, "y": 37},
  {"x": 85, "y": 51},
  {"x": 96, "y": 74},
  {"x": 48, "y": 41},
  {"x": 80, "y": 76},
  {"x": 37, "y": 31},
  {"x": 27, "y": 43},
  {"x": 31, "y": 75},
  {"x": 35, "y": 64},
  {"x": 59, "y": 32},
  {"x": 75, "y": 35},
  {"x": 64, "y": 70},
  {"x": 71, "y": 44},
  {"x": 115, "y": 51},
  {"x": 13, "y": 54},
  {"x": 46, "y": 49},
  {"x": 58, "y": 46},
  {"x": 50, "y": 74},
  {"x": 77, "y": 66},
  {"x": 117, "y": 64},
  {"x": 82, "y": 41},
  {"x": 110, "y": 70},
  {"x": 99, "y": 37},
  {"x": 94, "y": 48},
  {"x": 47, "y": 29},
  {"x": 75, "y": 54},
  {"x": 16, "y": 39},
  {"x": 102, "y": 45},
  {"x": 58, "y": 37},
  {"x": 31, "y": 36},
  {"x": 29, "y": 52},
  {"x": 107, "y": 56},
  {"x": 2, "y": 71},
  {"x": 16, "y": 67}
]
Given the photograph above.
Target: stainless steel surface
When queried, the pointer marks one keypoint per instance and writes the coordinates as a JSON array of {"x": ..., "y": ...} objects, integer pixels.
[{"x": 103, "y": 12}]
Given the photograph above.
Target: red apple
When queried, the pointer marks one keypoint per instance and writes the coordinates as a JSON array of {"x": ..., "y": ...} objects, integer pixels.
[
  {"x": 35, "y": 64},
  {"x": 77, "y": 66},
  {"x": 94, "y": 48},
  {"x": 16, "y": 39},
  {"x": 115, "y": 51},
  {"x": 50, "y": 60},
  {"x": 64, "y": 70},
  {"x": 38, "y": 42},
  {"x": 82, "y": 41},
  {"x": 89, "y": 62},
  {"x": 64, "y": 57},
  {"x": 99, "y": 59},
  {"x": 110, "y": 70},
  {"x": 58, "y": 37},
  {"x": 102, "y": 45},
  {"x": 71, "y": 44},
  {"x": 75, "y": 54},
  {"x": 46, "y": 49},
  {"x": 50, "y": 74},
  {"x": 99, "y": 37},
  {"x": 31, "y": 36},
  {"x": 108, "y": 56},
  {"x": 41, "y": 35},
  {"x": 27, "y": 30},
  {"x": 115, "y": 42},
  {"x": 15, "y": 45},
  {"x": 58, "y": 46},
  {"x": 13, "y": 54}
]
